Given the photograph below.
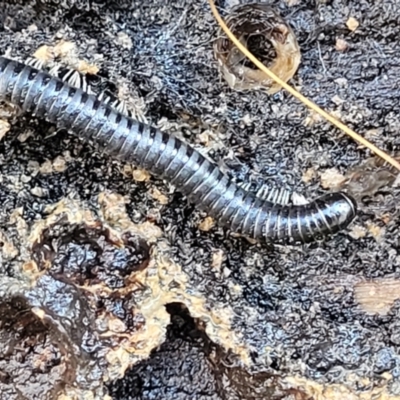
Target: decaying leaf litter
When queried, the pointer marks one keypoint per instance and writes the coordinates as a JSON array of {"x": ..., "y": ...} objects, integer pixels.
[{"x": 296, "y": 310}]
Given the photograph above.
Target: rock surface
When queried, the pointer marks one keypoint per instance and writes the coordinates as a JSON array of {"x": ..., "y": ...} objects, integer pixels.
[{"x": 112, "y": 286}]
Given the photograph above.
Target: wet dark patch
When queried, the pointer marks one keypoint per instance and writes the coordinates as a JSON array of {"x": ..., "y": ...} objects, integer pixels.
[
  {"x": 32, "y": 365},
  {"x": 88, "y": 255}
]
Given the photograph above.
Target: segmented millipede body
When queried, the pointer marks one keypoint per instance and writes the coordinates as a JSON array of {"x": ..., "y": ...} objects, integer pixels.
[{"x": 165, "y": 156}]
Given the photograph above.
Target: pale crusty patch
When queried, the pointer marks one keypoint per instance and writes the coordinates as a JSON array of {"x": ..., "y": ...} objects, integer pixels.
[
  {"x": 86, "y": 68},
  {"x": 164, "y": 280},
  {"x": 312, "y": 119},
  {"x": 204, "y": 138},
  {"x": 157, "y": 195},
  {"x": 352, "y": 24},
  {"x": 332, "y": 178},
  {"x": 38, "y": 191},
  {"x": 113, "y": 212},
  {"x": 68, "y": 52},
  {"x": 207, "y": 224},
  {"x": 217, "y": 259},
  {"x": 124, "y": 40},
  {"x": 59, "y": 164},
  {"x": 44, "y": 53},
  {"x": 377, "y": 296},
  {"x": 309, "y": 175},
  {"x": 358, "y": 232},
  {"x": 341, "y": 45},
  {"x": 72, "y": 393},
  {"x": 318, "y": 391},
  {"x": 168, "y": 284},
  {"x": 376, "y": 231},
  {"x": 291, "y": 3},
  {"x": 31, "y": 268},
  {"x": 141, "y": 175},
  {"x": 4, "y": 128},
  {"x": 46, "y": 167},
  {"x": 7, "y": 250}
]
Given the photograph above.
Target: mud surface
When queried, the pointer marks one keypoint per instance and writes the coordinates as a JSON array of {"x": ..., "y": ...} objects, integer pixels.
[{"x": 93, "y": 251}]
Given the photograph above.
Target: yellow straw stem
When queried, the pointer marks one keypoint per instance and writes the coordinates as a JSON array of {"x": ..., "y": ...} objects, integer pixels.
[{"x": 299, "y": 96}]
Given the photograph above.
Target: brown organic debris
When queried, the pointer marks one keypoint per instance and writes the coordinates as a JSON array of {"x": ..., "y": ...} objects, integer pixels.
[
  {"x": 369, "y": 177},
  {"x": 246, "y": 22}
]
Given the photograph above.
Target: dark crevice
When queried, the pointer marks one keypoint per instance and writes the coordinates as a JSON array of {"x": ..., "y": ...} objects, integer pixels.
[{"x": 188, "y": 365}]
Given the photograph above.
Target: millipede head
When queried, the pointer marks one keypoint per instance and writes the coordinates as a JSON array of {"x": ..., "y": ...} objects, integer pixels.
[
  {"x": 342, "y": 209},
  {"x": 321, "y": 218}
]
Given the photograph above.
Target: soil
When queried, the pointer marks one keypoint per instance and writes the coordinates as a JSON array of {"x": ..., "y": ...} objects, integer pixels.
[{"x": 111, "y": 288}]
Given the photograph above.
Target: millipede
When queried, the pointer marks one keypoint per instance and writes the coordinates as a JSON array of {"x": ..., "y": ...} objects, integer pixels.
[{"x": 43, "y": 95}]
